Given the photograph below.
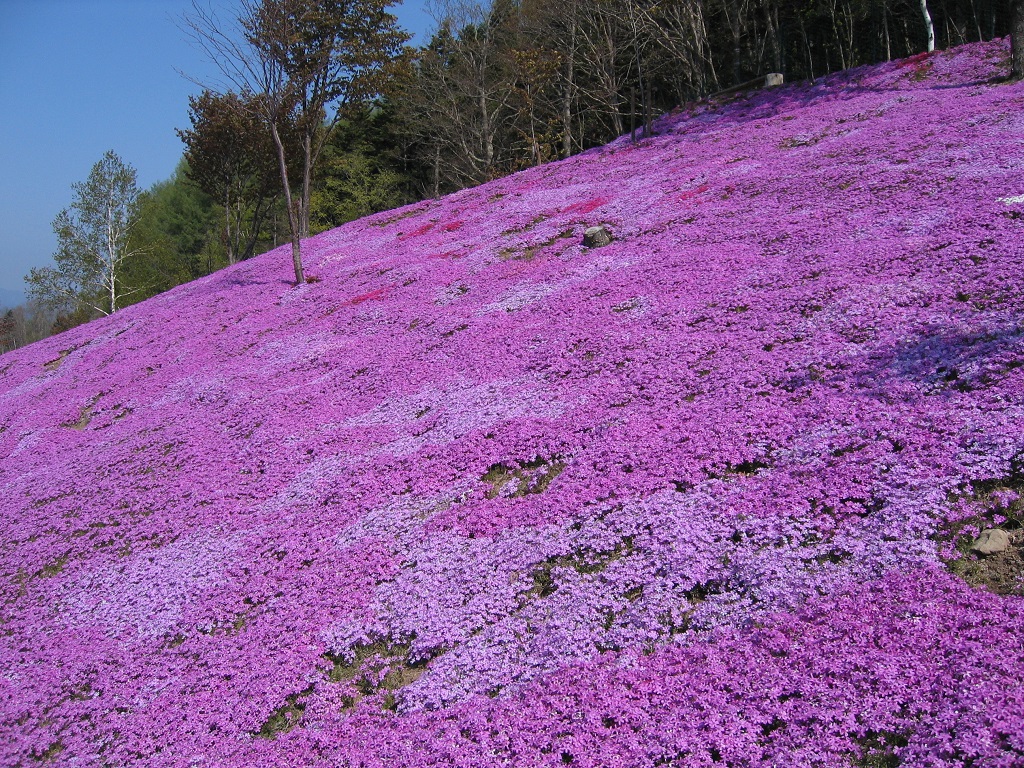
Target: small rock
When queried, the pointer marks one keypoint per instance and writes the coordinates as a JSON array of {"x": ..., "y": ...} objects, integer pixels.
[
  {"x": 991, "y": 541},
  {"x": 773, "y": 80},
  {"x": 595, "y": 237}
]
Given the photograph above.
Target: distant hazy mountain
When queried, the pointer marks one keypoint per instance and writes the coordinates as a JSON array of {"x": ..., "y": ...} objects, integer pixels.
[{"x": 10, "y": 298}]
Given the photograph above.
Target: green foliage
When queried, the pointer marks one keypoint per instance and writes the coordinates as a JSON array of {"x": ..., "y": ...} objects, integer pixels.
[
  {"x": 178, "y": 225},
  {"x": 231, "y": 156},
  {"x": 303, "y": 61},
  {"x": 118, "y": 246},
  {"x": 352, "y": 185},
  {"x": 361, "y": 171}
]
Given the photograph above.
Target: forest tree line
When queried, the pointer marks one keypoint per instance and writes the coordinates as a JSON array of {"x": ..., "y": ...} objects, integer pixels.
[{"x": 498, "y": 88}]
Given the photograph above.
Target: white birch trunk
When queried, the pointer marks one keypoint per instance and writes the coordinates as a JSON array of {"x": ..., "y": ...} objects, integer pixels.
[{"x": 928, "y": 25}]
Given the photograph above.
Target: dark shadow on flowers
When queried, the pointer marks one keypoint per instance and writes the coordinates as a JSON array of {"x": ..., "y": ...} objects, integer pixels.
[{"x": 947, "y": 361}]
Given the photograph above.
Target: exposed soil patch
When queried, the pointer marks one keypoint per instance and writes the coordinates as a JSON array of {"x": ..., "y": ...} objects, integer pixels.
[
  {"x": 1001, "y": 573},
  {"x": 54, "y": 364},
  {"x": 84, "y": 417},
  {"x": 995, "y": 504}
]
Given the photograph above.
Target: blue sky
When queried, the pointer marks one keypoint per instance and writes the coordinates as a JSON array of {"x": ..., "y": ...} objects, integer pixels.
[{"x": 79, "y": 77}]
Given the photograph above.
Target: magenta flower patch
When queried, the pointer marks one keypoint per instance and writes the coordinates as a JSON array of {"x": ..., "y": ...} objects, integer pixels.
[{"x": 480, "y": 495}]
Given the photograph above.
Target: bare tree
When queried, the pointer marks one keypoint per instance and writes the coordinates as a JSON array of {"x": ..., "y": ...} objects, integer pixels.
[
  {"x": 680, "y": 26},
  {"x": 580, "y": 72},
  {"x": 567, "y": 43},
  {"x": 536, "y": 70},
  {"x": 601, "y": 42},
  {"x": 459, "y": 97}
]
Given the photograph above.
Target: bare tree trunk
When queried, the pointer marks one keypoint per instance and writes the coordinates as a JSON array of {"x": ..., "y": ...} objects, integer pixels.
[
  {"x": 643, "y": 76},
  {"x": 307, "y": 185},
  {"x": 850, "y": 34},
  {"x": 977, "y": 23},
  {"x": 618, "y": 124},
  {"x": 709, "y": 56},
  {"x": 570, "y": 86},
  {"x": 839, "y": 39},
  {"x": 807, "y": 45},
  {"x": 885, "y": 30},
  {"x": 771, "y": 16},
  {"x": 293, "y": 218},
  {"x": 227, "y": 225},
  {"x": 437, "y": 171},
  {"x": 608, "y": 75},
  {"x": 114, "y": 256},
  {"x": 486, "y": 134},
  {"x": 929, "y": 27},
  {"x": 632, "y": 114},
  {"x": 648, "y": 109},
  {"x": 1017, "y": 39},
  {"x": 737, "y": 31}
]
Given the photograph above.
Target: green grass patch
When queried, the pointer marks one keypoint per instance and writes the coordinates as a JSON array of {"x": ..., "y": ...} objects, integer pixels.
[
  {"x": 52, "y": 569},
  {"x": 538, "y": 219},
  {"x": 377, "y": 670},
  {"x": 48, "y": 754},
  {"x": 585, "y": 562},
  {"x": 286, "y": 717},
  {"x": 522, "y": 479},
  {"x": 528, "y": 253}
]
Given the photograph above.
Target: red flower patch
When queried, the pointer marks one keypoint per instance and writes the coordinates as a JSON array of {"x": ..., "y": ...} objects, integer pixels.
[
  {"x": 452, "y": 226},
  {"x": 586, "y": 206},
  {"x": 690, "y": 194},
  {"x": 914, "y": 60},
  {"x": 419, "y": 231},
  {"x": 379, "y": 293}
]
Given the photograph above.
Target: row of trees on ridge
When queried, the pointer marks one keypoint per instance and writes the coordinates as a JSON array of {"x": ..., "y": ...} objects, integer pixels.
[{"x": 322, "y": 115}]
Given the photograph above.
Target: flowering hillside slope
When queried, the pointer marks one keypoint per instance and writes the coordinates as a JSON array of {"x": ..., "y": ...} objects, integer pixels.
[{"x": 480, "y": 495}]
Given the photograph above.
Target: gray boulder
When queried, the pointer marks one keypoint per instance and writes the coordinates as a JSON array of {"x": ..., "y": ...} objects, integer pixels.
[
  {"x": 991, "y": 541},
  {"x": 595, "y": 237}
]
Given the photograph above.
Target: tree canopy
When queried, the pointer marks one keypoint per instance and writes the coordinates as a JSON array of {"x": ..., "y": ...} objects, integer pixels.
[
  {"x": 304, "y": 61},
  {"x": 323, "y": 117},
  {"x": 231, "y": 155},
  {"x": 95, "y": 242}
]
